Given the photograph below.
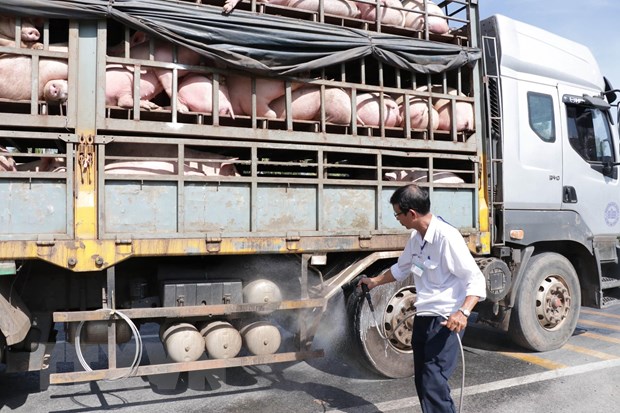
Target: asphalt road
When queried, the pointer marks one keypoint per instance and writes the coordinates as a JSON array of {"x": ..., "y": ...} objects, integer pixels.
[{"x": 583, "y": 376}]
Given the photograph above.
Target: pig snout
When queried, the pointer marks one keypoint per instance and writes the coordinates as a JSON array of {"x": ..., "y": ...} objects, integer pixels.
[
  {"x": 30, "y": 34},
  {"x": 56, "y": 91}
]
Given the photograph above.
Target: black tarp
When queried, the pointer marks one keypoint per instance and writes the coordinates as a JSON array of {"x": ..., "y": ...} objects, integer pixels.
[{"x": 262, "y": 44}]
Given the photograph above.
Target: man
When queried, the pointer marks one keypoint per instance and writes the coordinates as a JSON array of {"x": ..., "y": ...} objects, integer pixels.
[{"x": 447, "y": 281}]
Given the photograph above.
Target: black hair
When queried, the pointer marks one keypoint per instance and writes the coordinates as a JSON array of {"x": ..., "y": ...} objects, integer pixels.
[{"x": 413, "y": 197}]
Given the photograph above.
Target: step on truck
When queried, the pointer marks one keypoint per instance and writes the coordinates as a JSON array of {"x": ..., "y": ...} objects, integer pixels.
[{"x": 215, "y": 173}]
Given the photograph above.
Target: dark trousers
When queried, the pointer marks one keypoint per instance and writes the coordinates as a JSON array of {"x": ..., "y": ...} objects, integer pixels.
[{"x": 435, "y": 356}]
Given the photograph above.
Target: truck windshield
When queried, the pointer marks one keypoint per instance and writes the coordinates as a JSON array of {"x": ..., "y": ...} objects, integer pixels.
[{"x": 589, "y": 133}]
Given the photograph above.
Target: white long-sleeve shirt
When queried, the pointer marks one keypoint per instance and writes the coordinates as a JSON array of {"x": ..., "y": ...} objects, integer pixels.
[{"x": 444, "y": 271}]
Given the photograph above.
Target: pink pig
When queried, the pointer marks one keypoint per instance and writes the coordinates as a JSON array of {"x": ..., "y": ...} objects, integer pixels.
[
  {"x": 419, "y": 114},
  {"x": 29, "y": 34},
  {"x": 389, "y": 11},
  {"x": 196, "y": 162},
  {"x": 306, "y": 105},
  {"x": 7, "y": 163},
  {"x": 120, "y": 84},
  {"x": 16, "y": 72},
  {"x": 464, "y": 113},
  {"x": 416, "y": 18},
  {"x": 344, "y": 8},
  {"x": 56, "y": 90},
  {"x": 368, "y": 110},
  {"x": 336, "y": 7},
  {"x": 163, "y": 52},
  {"x": 196, "y": 94},
  {"x": 267, "y": 90}
]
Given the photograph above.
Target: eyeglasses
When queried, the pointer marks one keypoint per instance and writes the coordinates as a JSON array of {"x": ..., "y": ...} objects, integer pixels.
[{"x": 396, "y": 214}]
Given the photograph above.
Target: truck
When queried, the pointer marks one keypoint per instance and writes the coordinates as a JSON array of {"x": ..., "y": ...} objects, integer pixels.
[{"x": 237, "y": 228}]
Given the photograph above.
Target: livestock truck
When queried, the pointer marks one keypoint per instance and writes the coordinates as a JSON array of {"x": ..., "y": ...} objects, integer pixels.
[{"x": 233, "y": 227}]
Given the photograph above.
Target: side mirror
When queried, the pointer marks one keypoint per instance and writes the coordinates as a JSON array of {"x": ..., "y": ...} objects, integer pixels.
[{"x": 609, "y": 166}]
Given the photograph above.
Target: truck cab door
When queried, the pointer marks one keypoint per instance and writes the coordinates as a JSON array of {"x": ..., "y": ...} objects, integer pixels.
[
  {"x": 590, "y": 176},
  {"x": 532, "y": 154}
]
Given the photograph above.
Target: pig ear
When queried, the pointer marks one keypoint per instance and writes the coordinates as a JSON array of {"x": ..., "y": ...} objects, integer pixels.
[{"x": 138, "y": 37}]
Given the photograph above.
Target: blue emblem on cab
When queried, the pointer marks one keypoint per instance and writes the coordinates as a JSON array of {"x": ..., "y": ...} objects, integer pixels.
[{"x": 612, "y": 214}]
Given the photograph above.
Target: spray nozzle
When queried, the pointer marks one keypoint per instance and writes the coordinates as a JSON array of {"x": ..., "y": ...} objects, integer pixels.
[
  {"x": 351, "y": 286},
  {"x": 366, "y": 292}
]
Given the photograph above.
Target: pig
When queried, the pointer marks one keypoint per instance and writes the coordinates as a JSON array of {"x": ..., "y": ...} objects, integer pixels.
[
  {"x": 416, "y": 18},
  {"x": 368, "y": 106},
  {"x": 419, "y": 114},
  {"x": 306, "y": 105},
  {"x": 148, "y": 168},
  {"x": 343, "y": 8},
  {"x": 15, "y": 71},
  {"x": 389, "y": 10},
  {"x": 267, "y": 90},
  {"x": 119, "y": 82},
  {"x": 56, "y": 90},
  {"x": 46, "y": 164},
  {"x": 29, "y": 34},
  {"x": 464, "y": 113},
  {"x": 196, "y": 162},
  {"x": 196, "y": 94},
  {"x": 163, "y": 52},
  {"x": 7, "y": 163},
  {"x": 421, "y": 175}
]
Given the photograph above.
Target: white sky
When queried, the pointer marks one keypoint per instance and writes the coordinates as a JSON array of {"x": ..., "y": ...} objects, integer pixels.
[{"x": 593, "y": 23}]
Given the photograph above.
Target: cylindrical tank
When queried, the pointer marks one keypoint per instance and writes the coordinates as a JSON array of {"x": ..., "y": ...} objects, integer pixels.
[
  {"x": 261, "y": 337},
  {"x": 222, "y": 340},
  {"x": 96, "y": 332},
  {"x": 182, "y": 341},
  {"x": 261, "y": 291}
]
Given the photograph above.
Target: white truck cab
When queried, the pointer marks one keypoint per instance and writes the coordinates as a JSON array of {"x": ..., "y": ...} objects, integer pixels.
[{"x": 552, "y": 154}]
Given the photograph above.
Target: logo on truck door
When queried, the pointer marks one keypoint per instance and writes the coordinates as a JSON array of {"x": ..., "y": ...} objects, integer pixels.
[{"x": 612, "y": 214}]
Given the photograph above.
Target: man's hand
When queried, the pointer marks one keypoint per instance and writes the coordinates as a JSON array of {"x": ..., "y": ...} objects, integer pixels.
[
  {"x": 456, "y": 322},
  {"x": 370, "y": 282}
]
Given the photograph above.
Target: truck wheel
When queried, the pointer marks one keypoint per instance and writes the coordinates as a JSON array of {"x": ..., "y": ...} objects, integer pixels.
[
  {"x": 393, "y": 303},
  {"x": 547, "y": 304}
]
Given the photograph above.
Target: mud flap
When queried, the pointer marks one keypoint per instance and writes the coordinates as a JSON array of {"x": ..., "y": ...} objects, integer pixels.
[{"x": 14, "y": 316}]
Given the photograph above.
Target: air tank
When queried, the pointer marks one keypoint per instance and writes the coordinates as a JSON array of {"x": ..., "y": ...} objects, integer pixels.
[
  {"x": 221, "y": 340},
  {"x": 260, "y": 292},
  {"x": 96, "y": 332},
  {"x": 261, "y": 338},
  {"x": 182, "y": 341}
]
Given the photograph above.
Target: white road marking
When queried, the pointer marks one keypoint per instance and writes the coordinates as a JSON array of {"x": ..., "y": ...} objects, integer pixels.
[{"x": 408, "y": 402}]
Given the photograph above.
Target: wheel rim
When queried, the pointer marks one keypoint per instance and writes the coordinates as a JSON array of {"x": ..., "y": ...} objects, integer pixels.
[
  {"x": 398, "y": 319},
  {"x": 391, "y": 358},
  {"x": 553, "y": 302}
]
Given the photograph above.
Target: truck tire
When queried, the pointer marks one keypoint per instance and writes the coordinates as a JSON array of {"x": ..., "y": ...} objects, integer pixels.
[
  {"x": 546, "y": 307},
  {"x": 392, "y": 302}
]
